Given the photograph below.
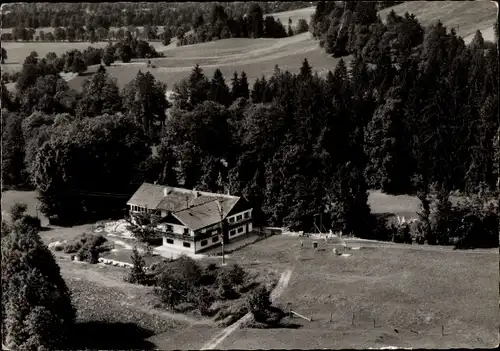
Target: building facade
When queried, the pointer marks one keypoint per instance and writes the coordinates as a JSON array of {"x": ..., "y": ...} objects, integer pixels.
[{"x": 191, "y": 220}]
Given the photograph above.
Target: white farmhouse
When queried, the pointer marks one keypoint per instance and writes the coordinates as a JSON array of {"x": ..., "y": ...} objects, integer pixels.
[{"x": 190, "y": 219}]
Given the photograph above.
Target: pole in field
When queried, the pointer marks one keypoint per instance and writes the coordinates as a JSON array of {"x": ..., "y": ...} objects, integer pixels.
[{"x": 353, "y": 318}]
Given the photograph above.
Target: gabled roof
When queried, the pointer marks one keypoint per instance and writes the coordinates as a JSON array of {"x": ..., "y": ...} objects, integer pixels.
[
  {"x": 206, "y": 214},
  {"x": 148, "y": 195},
  {"x": 195, "y": 209}
]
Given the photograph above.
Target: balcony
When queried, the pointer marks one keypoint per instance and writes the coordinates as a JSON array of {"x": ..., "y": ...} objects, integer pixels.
[
  {"x": 184, "y": 237},
  {"x": 240, "y": 222}
]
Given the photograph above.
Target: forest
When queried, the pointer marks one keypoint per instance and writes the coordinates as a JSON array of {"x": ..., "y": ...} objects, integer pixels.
[
  {"x": 110, "y": 21},
  {"x": 415, "y": 112}
]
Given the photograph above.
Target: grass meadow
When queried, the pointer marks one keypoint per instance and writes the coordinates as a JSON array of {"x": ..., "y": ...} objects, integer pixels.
[{"x": 410, "y": 291}]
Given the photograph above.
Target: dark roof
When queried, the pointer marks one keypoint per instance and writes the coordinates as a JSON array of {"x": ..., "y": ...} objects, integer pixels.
[
  {"x": 195, "y": 209},
  {"x": 148, "y": 195},
  {"x": 206, "y": 214}
]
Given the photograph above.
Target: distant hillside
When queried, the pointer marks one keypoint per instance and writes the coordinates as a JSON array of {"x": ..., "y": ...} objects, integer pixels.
[{"x": 465, "y": 16}]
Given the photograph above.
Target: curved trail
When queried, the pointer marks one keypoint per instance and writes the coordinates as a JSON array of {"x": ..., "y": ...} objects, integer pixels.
[{"x": 220, "y": 337}]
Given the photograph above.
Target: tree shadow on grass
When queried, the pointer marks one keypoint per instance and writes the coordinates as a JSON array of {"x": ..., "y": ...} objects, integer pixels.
[{"x": 109, "y": 336}]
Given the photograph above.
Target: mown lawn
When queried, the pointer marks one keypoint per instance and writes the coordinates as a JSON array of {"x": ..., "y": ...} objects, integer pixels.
[{"x": 413, "y": 289}]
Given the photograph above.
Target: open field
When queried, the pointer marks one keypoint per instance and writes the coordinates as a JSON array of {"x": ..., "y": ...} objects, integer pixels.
[
  {"x": 403, "y": 287},
  {"x": 465, "y": 16},
  {"x": 294, "y": 15},
  {"x": 256, "y": 57},
  {"x": 18, "y": 51}
]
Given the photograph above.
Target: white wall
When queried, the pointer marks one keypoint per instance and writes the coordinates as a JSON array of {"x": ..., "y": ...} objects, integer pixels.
[
  {"x": 177, "y": 228},
  {"x": 210, "y": 243},
  {"x": 244, "y": 231},
  {"x": 178, "y": 244}
]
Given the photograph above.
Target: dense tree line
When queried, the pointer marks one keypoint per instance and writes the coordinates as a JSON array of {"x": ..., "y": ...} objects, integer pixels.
[
  {"x": 98, "y": 22},
  {"x": 124, "y": 14},
  {"x": 413, "y": 119},
  {"x": 219, "y": 25}
]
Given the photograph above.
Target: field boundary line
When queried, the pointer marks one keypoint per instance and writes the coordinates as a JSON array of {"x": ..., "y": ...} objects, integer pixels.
[{"x": 277, "y": 291}]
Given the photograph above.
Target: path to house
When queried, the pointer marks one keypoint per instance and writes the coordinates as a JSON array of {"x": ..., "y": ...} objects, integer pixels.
[{"x": 278, "y": 290}]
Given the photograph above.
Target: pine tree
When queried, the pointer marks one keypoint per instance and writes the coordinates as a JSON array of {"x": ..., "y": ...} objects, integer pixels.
[
  {"x": 145, "y": 100},
  {"x": 235, "y": 86},
  {"x": 37, "y": 312},
  {"x": 257, "y": 91},
  {"x": 137, "y": 273},
  {"x": 100, "y": 96},
  {"x": 243, "y": 90},
  {"x": 384, "y": 147},
  {"x": 219, "y": 91},
  {"x": 305, "y": 70},
  {"x": 198, "y": 86}
]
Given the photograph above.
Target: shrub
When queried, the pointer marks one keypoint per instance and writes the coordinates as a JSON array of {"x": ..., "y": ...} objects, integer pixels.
[
  {"x": 88, "y": 247},
  {"x": 402, "y": 234},
  {"x": 28, "y": 224},
  {"x": 225, "y": 289},
  {"x": 237, "y": 275},
  {"x": 170, "y": 287},
  {"x": 17, "y": 211},
  {"x": 209, "y": 275},
  {"x": 177, "y": 281},
  {"x": 204, "y": 301},
  {"x": 259, "y": 303},
  {"x": 418, "y": 233}
]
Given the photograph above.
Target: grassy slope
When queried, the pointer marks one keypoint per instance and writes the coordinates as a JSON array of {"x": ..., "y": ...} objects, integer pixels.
[
  {"x": 403, "y": 287},
  {"x": 465, "y": 16}
]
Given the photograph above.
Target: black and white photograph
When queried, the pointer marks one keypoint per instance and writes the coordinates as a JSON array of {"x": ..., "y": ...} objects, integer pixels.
[{"x": 250, "y": 175}]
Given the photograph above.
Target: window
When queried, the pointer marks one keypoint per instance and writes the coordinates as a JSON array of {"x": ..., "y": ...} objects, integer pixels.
[
  {"x": 247, "y": 214},
  {"x": 204, "y": 242},
  {"x": 170, "y": 228},
  {"x": 215, "y": 239},
  {"x": 215, "y": 231},
  {"x": 232, "y": 232},
  {"x": 231, "y": 220},
  {"x": 186, "y": 231},
  {"x": 170, "y": 241},
  {"x": 203, "y": 230},
  {"x": 238, "y": 218},
  {"x": 185, "y": 244},
  {"x": 240, "y": 230}
]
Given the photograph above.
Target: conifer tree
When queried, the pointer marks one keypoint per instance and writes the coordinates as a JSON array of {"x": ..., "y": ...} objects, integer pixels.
[
  {"x": 198, "y": 86},
  {"x": 219, "y": 91},
  {"x": 100, "y": 95},
  {"x": 235, "y": 86},
  {"x": 37, "y": 312},
  {"x": 243, "y": 90},
  {"x": 137, "y": 274}
]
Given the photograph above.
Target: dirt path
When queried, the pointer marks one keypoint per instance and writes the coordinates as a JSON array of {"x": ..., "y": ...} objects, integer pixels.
[{"x": 278, "y": 290}]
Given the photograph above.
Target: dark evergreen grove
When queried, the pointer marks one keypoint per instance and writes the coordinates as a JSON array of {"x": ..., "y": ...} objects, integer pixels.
[
  {"x": 414, "y": 112},
  {"x": 115, "y": 21}
]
